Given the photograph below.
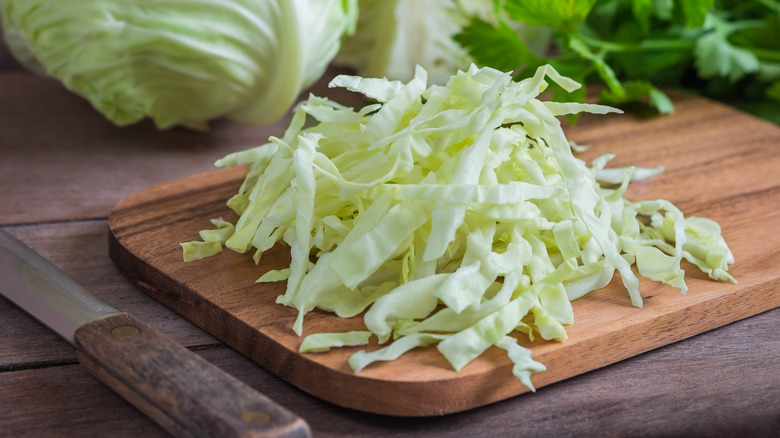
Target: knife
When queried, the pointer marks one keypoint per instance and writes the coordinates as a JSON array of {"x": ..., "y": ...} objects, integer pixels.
[{"x": 184, "y": 393}]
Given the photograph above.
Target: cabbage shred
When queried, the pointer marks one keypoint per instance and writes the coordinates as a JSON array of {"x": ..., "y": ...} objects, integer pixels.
[{"x": 453, "y": 215}]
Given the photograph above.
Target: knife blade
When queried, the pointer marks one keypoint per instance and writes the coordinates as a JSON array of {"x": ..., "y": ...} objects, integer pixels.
[{"x": 181, "y": 391}]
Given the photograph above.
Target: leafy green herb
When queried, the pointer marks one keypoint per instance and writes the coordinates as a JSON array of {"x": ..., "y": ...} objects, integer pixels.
[{"x": 724, "y": 49}]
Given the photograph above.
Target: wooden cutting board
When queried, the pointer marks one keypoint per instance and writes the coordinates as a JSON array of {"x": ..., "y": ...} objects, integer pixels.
[{"x": 720, "y": 163}]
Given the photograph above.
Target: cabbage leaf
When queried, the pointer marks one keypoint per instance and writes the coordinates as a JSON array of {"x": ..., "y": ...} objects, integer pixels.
[{"x": 180, "y": 62}]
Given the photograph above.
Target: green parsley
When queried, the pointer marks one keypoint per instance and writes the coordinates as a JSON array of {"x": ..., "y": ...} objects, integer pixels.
[{"x": 728, "y": 50}]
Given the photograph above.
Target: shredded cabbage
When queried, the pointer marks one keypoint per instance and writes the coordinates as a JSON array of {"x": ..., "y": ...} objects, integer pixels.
[{"x": 454, "y": 215}]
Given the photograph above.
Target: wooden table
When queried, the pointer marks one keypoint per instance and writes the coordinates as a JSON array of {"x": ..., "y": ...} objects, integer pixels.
[{"x": 63, "y": 168}]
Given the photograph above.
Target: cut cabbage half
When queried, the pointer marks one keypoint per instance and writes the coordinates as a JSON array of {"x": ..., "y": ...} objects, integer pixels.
[{"x": 454, "y": 215}]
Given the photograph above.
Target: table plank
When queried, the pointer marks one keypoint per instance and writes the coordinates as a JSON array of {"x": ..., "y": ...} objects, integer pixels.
[
  {"x": 668, "y": 392},
  {"x": 61, "y": 160}
]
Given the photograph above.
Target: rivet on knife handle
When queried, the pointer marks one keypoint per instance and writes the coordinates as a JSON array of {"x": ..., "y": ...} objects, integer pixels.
[{"x": 181, "y": 391}]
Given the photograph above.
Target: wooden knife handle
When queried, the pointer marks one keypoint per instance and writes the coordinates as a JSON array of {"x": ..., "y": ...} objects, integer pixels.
[{"x": 181, "y": 391}]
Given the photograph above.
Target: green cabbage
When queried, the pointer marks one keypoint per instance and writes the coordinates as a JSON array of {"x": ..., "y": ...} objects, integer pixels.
[
  {"x": 454, "y": 215},
  {"x": 180, "y": 62},
  {"x": 394, "y": 36}
]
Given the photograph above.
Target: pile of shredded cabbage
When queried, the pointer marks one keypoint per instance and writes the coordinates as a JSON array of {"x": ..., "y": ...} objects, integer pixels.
[{"x": 453, "y": 215}]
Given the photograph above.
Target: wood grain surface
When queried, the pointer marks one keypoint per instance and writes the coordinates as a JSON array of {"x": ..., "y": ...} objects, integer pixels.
[
  {"x": 722, "y": 383},
  {"x": 720, "y": 164}
]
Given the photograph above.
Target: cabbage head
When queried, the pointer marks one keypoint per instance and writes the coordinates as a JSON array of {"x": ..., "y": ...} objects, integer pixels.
[
  {"x": 393, "y": 37},
  {"x": 180, "y": 62}
]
